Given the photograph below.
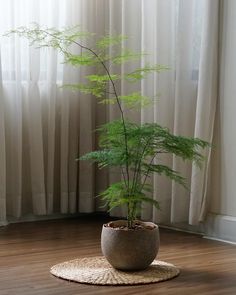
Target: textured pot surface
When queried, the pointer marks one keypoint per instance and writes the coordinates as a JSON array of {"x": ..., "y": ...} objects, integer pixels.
[{"x": 130, "y": 249}]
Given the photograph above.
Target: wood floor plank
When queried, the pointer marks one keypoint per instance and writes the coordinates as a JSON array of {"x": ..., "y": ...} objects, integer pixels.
[{"x": 28, "y": 250}]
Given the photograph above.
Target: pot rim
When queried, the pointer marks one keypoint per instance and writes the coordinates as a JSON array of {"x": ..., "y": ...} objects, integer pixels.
[{"x": 147, "y": 225}]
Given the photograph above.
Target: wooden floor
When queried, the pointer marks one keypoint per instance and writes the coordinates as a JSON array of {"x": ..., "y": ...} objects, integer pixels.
[{"x": 28, "y": 250}]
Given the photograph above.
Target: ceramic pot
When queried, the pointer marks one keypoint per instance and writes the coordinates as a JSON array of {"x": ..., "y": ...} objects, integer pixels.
[{"x": 130, "y": 249}]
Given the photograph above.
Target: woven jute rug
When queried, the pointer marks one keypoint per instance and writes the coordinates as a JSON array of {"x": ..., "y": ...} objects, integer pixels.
[{"x": 97, "y": 271}]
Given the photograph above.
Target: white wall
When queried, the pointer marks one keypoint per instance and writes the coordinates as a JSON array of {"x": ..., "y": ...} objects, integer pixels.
[{"x": 223, "y": 181}]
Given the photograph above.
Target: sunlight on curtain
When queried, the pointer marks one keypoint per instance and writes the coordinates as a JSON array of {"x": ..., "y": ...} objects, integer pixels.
[
  {"x": 42, "y": 122},
  {"x": 14, "y": 51}
]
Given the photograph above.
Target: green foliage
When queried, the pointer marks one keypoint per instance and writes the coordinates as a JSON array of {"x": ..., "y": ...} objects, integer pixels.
[
  {"x": 142, "y": 73},
  {"x": 126, "y": 55},
  {"x": 102, "y": 78},
  {"x": 84, "y": 59},
  {"x": 108, "y": 41},
  {"x": 116, "y": 195},
  {"x": 52, "y": 37},
  {"x": 135, "y": 99},
  {"x": 144, "y": 142},
  {"x": 132, "y": 148},
  {"x": 96, "y": 90}
]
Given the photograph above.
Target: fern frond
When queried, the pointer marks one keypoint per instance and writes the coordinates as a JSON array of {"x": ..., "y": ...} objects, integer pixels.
[
  {"x": 110, "y": 40},
  {"x": 141, "y": 73}
]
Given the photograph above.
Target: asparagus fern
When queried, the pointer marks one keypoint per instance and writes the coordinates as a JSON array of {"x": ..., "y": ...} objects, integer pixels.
[{"x": 132, "y": 148}]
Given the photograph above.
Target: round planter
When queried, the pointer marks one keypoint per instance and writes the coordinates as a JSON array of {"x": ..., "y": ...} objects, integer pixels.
[{"x": 130, "y": 249}]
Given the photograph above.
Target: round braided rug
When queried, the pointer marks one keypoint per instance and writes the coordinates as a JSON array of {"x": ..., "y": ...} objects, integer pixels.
[{"x": 97, "y": 271}]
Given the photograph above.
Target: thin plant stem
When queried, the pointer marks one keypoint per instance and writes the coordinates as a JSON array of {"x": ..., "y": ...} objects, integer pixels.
[{"x": 116, "y": 97}]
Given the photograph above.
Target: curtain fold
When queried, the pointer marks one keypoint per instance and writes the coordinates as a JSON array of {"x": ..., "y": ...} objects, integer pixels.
[
  {"x": 2, "y": 159},
  {"x": 185, "y": 102},
  {"x": 206, "y": 107},
  {"x": 44, "y": 128}
]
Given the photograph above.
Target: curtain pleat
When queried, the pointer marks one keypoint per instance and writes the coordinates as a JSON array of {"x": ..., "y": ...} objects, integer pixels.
[
  {"x": 2, "y": 159},
  {"x": 185, "y": 103},
  {"x": 50, "y": 155},
  {"x": 206, "y": 107}
]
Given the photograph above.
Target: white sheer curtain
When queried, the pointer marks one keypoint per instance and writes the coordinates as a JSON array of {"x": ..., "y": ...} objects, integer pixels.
[
  {"x": 44, "y": 128},
  {"x": 182, "y": 34}
]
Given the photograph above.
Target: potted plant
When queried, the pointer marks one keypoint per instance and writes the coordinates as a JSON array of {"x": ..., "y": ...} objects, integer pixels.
[{"x": 132, "y": 148}]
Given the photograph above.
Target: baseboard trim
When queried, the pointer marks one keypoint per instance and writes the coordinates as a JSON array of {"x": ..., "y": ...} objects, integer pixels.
[
  {"x": 33, "y": 218},
  {"x": 184, "y": 230},
  {"x": 221, "y": 228},
  {"x": 219, "y": 240},
  {"x": 4, "y": 223}
]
